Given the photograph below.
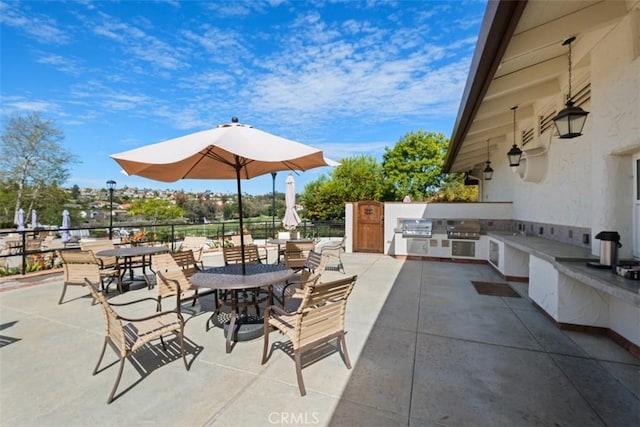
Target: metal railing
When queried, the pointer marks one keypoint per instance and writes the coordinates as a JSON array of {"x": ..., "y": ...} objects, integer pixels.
[{"x": 154, "y": 233}]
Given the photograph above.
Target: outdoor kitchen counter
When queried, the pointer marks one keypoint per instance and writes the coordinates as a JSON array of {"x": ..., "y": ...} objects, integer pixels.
[
  {"x": 572, "y": 261},
  {"x": 572, "y": 293},
  {"x": 546, "y": 249}
]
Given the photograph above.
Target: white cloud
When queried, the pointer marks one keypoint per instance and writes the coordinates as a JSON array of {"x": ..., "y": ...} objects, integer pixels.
[{"x": 37, "y": 26}]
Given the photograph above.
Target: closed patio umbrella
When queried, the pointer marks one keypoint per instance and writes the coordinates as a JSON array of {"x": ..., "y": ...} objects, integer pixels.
[
  {"x": 291, "y": 218},
  {"x": 20, "y": 220},
  {"x": 66, "y": 224},
  {"x": 34, "y": 219},
  {"x": 228, "y": 151}
]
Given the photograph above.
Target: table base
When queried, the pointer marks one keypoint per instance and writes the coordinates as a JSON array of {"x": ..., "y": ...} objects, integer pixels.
[{"x": 247, "y": 327}]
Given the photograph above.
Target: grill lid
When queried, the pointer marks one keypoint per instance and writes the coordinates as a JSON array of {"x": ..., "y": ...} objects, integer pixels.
[{"x": 463, "y": 229}]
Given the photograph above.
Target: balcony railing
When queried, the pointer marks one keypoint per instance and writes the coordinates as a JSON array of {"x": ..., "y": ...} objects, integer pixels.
[{"x": 32, "y": 250}]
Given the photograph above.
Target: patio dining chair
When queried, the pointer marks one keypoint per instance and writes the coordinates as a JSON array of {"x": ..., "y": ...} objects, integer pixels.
[
  {"x": 78, "y": 265},
  {"x": 334, "y": 250},
  {"x": 248, "y": 241},
  {"x": 101, "y": 245},
  {"x": 233, "y": 254},
  {"x": 197, "y": 245},
  {"x": 127, "y": 335},
  {"x": 314, "y": 265},
  {"x": 172, "y": 278},
  {"x": 318, "y": 321},
  {"x": 296, "y": 253}
]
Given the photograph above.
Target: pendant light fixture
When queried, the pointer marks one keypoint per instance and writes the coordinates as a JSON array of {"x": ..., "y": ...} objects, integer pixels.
[
  {"x": 487, "y": 173},
  {"x": 515, "y": 153},
  {"x": 570, "y": 120},
  {"x": 468, "y": 180}
]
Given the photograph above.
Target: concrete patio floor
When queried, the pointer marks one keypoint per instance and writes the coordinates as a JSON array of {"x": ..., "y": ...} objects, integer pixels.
[{"x": 426, "y": 349}]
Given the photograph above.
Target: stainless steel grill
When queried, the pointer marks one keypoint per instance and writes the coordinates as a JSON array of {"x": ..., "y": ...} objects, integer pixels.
[
  {"x": 416, "y": 228},
  {"x": 467, "y": 229}
]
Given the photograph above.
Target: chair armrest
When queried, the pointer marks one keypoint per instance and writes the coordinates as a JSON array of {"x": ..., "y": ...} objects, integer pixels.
[
  {"x": 119, "y": 304},
  {"x": 153, "y": 316},
  {"x": 278, "y": 310}
]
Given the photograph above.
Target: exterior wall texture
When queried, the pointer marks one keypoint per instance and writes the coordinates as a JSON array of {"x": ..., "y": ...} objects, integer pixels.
[{"x": 588, "y": 182}]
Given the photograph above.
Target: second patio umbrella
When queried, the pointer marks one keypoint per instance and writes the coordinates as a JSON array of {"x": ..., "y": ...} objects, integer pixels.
[
  {"x": 229, "y": 151},
  {"x": 20, "y": 220},
  {"x": 291, "y": 218},
  {"x": 34, "y": 219},
  {"x": 66, "y": 224}
]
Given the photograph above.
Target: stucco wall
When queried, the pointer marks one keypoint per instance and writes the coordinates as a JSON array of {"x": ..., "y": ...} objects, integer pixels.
[{"x": 588, "y": 181}]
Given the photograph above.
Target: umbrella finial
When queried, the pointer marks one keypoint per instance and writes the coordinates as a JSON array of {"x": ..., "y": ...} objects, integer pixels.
[{"x": 234, "y": 119}]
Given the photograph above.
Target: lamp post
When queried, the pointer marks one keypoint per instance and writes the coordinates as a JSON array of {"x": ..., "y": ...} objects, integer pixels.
[
  {"x": 273, "y": 206},
  {"x": 111, "y": 185}
]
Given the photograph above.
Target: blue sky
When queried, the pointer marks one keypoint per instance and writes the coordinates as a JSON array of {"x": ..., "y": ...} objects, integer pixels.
[{"x": 348, "y": 77}]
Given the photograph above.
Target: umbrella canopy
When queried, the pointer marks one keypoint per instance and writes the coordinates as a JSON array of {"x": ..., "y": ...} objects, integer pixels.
[
  {"x": 229, "y": 151},
  {"x": 20, "y": 220},
  {"x": 34, "y": 219},
  {"x": 291, "y": 218},
  {"x": 66, "y": 224}
]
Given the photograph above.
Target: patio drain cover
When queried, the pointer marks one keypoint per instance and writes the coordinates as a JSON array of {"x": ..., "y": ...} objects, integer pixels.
[{"x": 495, "y": 289}]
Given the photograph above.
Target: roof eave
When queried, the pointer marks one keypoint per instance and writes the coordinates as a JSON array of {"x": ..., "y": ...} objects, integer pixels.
[{"x": 499, "y": 23}]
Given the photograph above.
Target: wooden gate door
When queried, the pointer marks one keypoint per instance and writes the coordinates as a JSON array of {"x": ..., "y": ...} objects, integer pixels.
[{"x": 368, "y": 227}]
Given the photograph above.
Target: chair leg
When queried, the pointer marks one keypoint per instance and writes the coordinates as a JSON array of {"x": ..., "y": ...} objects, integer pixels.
[
  {"x": 182, "y": 352},
  {"x": 343, "y": 350},
  {"x": 299, "y": 372},
  {"x": 164, "y": 347},
  {"x": 195, "y": 298},
  {"x": 115, "y": 385},
  {"x": 104, "y": 347},
  {"x": 64, "y": 290},
  {"x": 266, "y": 341}
]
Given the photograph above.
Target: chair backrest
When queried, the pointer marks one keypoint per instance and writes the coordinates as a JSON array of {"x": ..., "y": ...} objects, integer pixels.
[
  {"x": 284, "y": 235},
  {"x": 113, "y": 325},
  {"x": 322, "y": 310},
  {"x": 248, "y": 239},
  {"x": 196, "y": 244},
  {"x": 314, "y": 265},
  {"x": 78, "y": 265},
  {"x": 100, "y": 245},
  {"x": 186, "y": 261},
  {"x": 167, "y": 270},
  {"x": 34, "y": 244},
  {"x": 297, "y": 252},
  {"x": 233, "y": 254}
]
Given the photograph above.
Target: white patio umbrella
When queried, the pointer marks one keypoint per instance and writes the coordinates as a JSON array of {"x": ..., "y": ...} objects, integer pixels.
[
  {"x": 20, "y": 220},
  {"x": 229, "y": 151},
  {"x": 34, "y": 219},
  {"x": 291, "y": 218},
  {"x": 66, "y": 224}
]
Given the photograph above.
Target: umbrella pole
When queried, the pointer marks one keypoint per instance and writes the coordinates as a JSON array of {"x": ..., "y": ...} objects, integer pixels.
[{"x": 244, "y": 271}]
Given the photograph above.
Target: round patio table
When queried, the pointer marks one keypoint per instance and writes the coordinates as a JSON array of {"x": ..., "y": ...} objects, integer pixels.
[
  {"x": 230, "y": 278},
  {"x": 127, "y": 254}
]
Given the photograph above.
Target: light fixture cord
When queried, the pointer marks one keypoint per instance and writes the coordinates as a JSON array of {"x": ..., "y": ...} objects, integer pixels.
[
  {"x": 514, "y": 125},
  {"x": 569, "y": 96}
]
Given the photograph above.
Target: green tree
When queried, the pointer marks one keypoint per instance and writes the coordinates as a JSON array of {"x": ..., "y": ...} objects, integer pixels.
[
  {"x": 32, "y": 160},
  {"x": 156, "y": 209},
  {"x": 356, "y": 178},
  {"x": 413, "y": 166},
  {"x": 454, "y": 190},
  {"x": 75, "y": 192}
]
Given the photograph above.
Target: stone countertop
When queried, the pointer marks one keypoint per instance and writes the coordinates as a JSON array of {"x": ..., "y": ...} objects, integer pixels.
[
  {"x": 546, "y": 249},
  {"x": 572, "y": 261},
  {"x": 604, "y": 280}
]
